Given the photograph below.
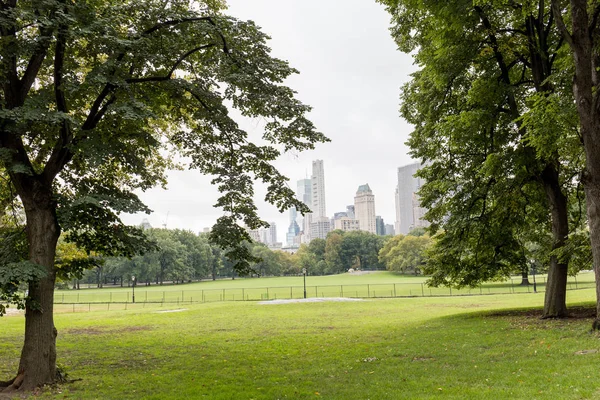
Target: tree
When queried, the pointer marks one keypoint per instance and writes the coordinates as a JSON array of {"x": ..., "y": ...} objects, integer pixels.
[
  {"x": 333, "y": 247},
  {"x": 409, "y": 254},
  {"x": 360, "y": 249},
  {"x": 583, "y": 40},
  {"x": 498, "y": 162},
  {"x": 96, "y": 98}
]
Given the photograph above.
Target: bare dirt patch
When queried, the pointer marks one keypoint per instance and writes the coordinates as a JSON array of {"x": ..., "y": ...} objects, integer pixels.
[
  {"x": 309, "y": 300},
  {"x": 13, "y": 311},
  {"x": 95, "y": 330}
]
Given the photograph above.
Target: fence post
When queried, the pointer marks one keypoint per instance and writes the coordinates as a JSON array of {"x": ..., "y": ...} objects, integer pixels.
[
  {"x": 223, "y": 294},
  {"x": 267, "y": 293},
  {"x": 291, "y": 292},
  {"x": 342, "y": 290},
  {"x": 450, "y": 290},
  {"x": 422, "y": 290},
  {"x": 243, "y": 295},
  {"x": 576, "y": 282}
]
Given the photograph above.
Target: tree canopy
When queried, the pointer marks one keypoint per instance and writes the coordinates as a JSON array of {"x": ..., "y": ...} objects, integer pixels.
[{"x": 99, "y": 99}]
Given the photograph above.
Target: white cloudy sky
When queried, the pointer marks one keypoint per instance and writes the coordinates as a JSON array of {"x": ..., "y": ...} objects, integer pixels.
[{"x": 350, "y": 73}]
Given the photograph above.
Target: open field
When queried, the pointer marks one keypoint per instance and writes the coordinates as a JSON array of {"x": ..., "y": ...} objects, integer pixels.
[
  {"x": 409, "y": 348},
  {"x": 373, "y": 285}
]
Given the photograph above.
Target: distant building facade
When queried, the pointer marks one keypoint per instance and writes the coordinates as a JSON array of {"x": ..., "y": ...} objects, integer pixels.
[
  {"x": 364, "y": 207},
  {"x": 389, "y": 230},
  {"x": 379, "y": 226},
  {"x": 346, "y": 224},
  {"x": 409, "y": 213}
]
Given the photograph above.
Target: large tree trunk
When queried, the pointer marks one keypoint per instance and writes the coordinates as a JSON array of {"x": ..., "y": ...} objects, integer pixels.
[
  {"x": 592, "y": 193},
  {"x": 583, "y": 40},
  {"x": 38, "y": 356},
  {"x": 555, "y": 300}
]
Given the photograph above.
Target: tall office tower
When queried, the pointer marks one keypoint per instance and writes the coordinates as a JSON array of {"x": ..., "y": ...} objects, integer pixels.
[
  {"x": 418, "y": 213},
  {"x": 389, "y": 230},
  {"x": 379, "y": 226},
  {"x": 272, "y": 234},
  {"x": 304, "y": 194},
  {"x": 398, "y": 217},
  {"x": 364, "y": 207},
  {"x": 293, "y": 229},
  {"x": 408, "y": 186},
  {"x": 318, "y": 189},
  {"x": 318, "y": 221}
]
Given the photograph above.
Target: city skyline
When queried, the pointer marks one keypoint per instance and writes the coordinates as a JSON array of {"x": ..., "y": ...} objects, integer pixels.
[{"x": 355, "y": 100}]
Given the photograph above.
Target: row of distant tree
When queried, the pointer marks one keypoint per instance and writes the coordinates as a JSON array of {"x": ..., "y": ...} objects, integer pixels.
[{"x": 181, "y": 256}]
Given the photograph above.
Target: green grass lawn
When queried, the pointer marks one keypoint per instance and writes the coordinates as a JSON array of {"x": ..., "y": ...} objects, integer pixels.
[
  {"x": 406, "y": 348},
  {"x": 379, "y": 284}
]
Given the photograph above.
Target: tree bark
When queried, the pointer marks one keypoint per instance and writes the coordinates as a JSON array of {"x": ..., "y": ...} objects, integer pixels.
[
  {"x": 583, "y": 40},
  {"x": 555, "y": 300},
  {"x": 524, "y": 277},
  {"x": 38, "y": 357}
]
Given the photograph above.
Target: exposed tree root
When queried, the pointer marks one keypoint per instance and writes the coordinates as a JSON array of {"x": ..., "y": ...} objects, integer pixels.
[
  {"x": 14, "y": 384},
  {"x": 5, "y": 384}
]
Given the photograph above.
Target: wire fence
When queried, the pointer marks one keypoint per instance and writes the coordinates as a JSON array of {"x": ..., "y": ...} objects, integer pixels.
[{"x": 102, "y": 299}]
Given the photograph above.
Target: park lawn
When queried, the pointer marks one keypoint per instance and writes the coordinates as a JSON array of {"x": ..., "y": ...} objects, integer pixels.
[
  {"x": 476, "y": 347},
  {"x": 378, "y": 284}
]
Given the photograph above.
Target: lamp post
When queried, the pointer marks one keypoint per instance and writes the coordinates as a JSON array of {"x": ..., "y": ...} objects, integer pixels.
[
  {"x": 304, "y": 273},
  {"x": 533, "y": 272},
  {"x": 133, "y": 288}
]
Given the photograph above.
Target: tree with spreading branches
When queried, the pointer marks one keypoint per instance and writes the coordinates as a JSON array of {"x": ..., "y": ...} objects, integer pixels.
[{"x": 98, "y": 98}]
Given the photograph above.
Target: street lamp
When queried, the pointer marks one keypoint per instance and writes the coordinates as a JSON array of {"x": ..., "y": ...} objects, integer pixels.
[
  {"x": 304, "y": 273},
  {"x": 133, "y": 287},
  {"x": 533, "y": 272}
]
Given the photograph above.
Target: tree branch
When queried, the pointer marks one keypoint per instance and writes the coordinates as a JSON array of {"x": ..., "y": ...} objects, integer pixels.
[
  {"x": 173, "y": 68},
  {"x": 60, "y": 153},
  {"x": 560, "y": 23}
]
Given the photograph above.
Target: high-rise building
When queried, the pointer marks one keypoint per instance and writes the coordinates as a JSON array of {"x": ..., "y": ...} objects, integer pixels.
[
  {"x": 364, "y": 207},
  {"x": 389, "y": 230},
  {"x": 320, "y": 228},
  {"x": 304, "y": 194},
  {"x": 293, "y": 229},
  {"x": 272, "y": 234},
  {"x": 318, "y": 189},
  {"x": 398, "y": 216},
  {"x": 379, "y": 226},
  {"x": 318, "y": 221},
  {"x": 408, "y": 186}
]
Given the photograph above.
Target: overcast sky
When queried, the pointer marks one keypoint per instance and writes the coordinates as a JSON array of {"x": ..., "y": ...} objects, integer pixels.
[{"x": 350, "y": 73}]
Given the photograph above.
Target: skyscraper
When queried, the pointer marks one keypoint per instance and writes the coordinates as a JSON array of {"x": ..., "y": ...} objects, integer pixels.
[
  {"x": 319, "y": 223},
  {"x": 318, "y": 189},
  {"x": 364, "y": 207},
  {"x": 406, "y": 209},
  {"x": 304, "y": 194},
  {"x": 379, "y": 226}
]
